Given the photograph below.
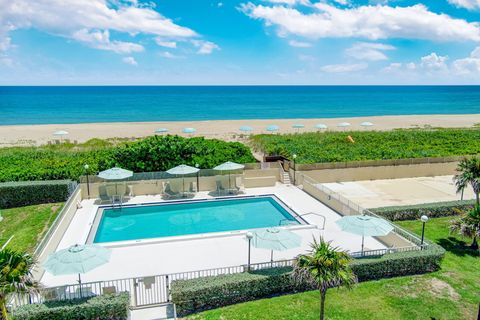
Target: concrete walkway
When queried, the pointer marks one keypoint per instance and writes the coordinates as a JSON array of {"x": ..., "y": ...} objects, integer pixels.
[{"x": 161, "y": 312}]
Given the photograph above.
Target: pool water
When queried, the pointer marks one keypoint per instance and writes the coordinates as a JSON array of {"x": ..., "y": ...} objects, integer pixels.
[{"x": 187, "y": 218}]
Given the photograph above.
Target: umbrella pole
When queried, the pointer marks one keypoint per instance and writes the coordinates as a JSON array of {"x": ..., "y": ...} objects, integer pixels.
[
  {"x": 183, "y": 181},
  {"x": 80, "y": 284},
  {"x": 363, "y": 237},
  {"x": 271, "y": 257}
]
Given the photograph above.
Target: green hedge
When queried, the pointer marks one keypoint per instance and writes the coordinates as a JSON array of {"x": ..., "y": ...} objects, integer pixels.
[
  {"x": 432, "y": 210},
  {"x": 20, "y": 194},
  {"x": 196, "y": 295},
  {"x": 106, "y": 307}
]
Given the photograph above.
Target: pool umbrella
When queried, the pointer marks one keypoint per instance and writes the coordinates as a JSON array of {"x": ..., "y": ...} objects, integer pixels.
[
  {"x": 366, "y": 124},
  {"x": 115, "y": 174},
  {"x": 161, "y": 130},
  {"x": 275, "y": 239},
  {"x": 273, "y": 128},
  {"x": 60, "y": 133},
  {"x": 365, "y": 226},
  {"x": 189, "y": 130},
  {"x": 183, "y": 170},
  {"x": 246, "y": 129},
  {"x": 321, "y": 126},
  {"x": 229, "y": 166},
  {"x": 77, "y": 259},
  {"x": 343, "y": 124},
  {"x": 298, "y": 126}
]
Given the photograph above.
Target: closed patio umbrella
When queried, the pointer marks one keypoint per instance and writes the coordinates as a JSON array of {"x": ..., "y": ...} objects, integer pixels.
[
  {"x": 275, "y": 239},
  {"x": 77, "y": 259},
  {"x": 229, "y": 166},
  {"x": 183, "y": 170},
  {"x": 365, "y": 226}
]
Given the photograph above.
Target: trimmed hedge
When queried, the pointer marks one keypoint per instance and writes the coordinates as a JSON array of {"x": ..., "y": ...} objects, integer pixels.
[
  {"x": 20, "y": 194},
  {"x": 201, "y": 294},
  {"x": 105, "y": 307},
  {"x": 432, "y": 210}
]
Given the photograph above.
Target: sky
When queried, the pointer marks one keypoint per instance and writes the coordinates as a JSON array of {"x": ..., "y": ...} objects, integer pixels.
[{"x": 230, "y": 42}]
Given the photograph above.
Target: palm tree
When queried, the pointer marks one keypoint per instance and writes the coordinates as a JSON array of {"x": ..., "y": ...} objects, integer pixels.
[
  {"x": 468, "y": 226},
  {"x": 324, "y": 267},
  {"x": 468, "y": 174},
  {"x": 15, "y": 276}
]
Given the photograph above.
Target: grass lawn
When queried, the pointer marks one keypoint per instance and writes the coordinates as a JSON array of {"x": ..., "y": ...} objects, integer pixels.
[
  {"x": 452, "y": 293},
  {"x": 27, "y": 225}
]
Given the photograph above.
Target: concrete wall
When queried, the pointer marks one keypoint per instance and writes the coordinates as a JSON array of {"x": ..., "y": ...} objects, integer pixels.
[{"x": 382, "y": 172}]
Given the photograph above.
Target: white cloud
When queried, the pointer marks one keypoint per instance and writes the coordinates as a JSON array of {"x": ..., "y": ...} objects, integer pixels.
[
  {"x": 342, "y": 2},
  {"x": 288, "y": 2},
  {"x": 166, "y": 44},
  {"x": 101, "y": 40},
  {"x": 299, "y": 44},
  {"x": 205, "y": 47},
  {"x": 89, "y": 21},
  {"x": 468, "y": 4},
  {"x": 169, "y": 55},
  {"x": 434, "y": 62},
  {"x": 370, "y": 22},
  {"x": 343, "y": 68},
  {"x": 130, "y": 61},
  {"x": 469, "y": 65},
  {"x": 368, "y": 51}
]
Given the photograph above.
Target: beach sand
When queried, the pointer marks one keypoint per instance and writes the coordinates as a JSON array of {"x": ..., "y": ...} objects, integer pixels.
[{"x": 221, "y": 129}]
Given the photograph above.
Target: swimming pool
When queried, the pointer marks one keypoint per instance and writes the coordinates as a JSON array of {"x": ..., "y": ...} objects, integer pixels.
[{"x": 191, "y": 217}]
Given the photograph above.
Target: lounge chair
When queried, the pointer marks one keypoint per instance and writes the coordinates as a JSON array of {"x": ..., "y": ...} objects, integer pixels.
[
  {"x": 113, "y": 192},
  {"x": 239, "y": 185},
  {"x": 220, "y": 189},
  {"x": 168, "y": 193},
  {"x": 102, "y": 193}
]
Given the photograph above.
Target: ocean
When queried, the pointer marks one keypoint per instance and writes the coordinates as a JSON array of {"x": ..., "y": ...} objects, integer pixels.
[{"x": 87, "y": 104}]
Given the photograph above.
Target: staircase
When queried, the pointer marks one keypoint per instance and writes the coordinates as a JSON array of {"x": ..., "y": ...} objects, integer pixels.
[{"x": 286, "y": 178}]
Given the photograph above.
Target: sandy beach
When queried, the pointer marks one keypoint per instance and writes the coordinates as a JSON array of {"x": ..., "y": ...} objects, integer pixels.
[{"x": 221, "y": 129}]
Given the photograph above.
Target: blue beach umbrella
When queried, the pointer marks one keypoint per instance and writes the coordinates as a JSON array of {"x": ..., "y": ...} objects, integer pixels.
[
  {"x": 182, "y": 170},
  {"x": 365, "y": 226},
  {"x": 298, "y": 126},
  {"x": 273, "y": 128},
  {"x": 275, "y": 239},
  {"x": 343, "y": 125},
  {"x": 189, "y": 130},
  {"x": 77, "y": 259},
  {"x": 60, "y": 133},
  {"x": 366, "y": 124},
  {"x": 161, "y": 130},
  {"x": 321, "y": 126},
  {"x": 246, "y": 129}
]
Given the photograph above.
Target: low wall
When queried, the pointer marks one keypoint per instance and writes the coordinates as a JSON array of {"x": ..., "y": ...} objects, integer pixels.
[
  {"x": 55, "y": 234},
  {"x": 381, "y": 172}
]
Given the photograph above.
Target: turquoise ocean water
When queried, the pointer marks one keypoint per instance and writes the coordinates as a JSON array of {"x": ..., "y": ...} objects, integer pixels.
[
  {"x": 189, "y": 218},
  {"x": 44, "y": 105}
]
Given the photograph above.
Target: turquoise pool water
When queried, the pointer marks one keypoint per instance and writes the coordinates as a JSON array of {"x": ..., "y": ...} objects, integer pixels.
[{"x": 187, "y": 218}]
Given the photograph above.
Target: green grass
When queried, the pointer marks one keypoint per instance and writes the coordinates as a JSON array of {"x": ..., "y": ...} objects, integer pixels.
[
  {"x": 370, "y": 145},
  {"x": 452, "y": 293},
  {"x": 27, "y": 225}
]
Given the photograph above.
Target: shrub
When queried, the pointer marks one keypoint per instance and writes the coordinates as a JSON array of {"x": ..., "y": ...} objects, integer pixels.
[
  {"x": 20, "y": 194},
  {"x": 200, "y": 294},
  {"x": 105, "y": 307},
  {"x": 432, "y": 210}
]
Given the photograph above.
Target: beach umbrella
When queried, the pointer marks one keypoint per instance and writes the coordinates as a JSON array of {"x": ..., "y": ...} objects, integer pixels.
[
  {"x": 321, "y": 126},
  {"x": 115, "y": 174},
  {"x": 183, "y": 170},
  {"x": 189, "y": 130},
  {"x": 60, "y": 133},
  {"x": 366, "y": 124},
  {"x": 273, "y": 128},
  {"x": 229, "y": 166},
  {"x": 161, "y": 130},
  {"x": 365, "y": 226},
  {"x": 246, "y": 129},
  {"x": 343, "y": 125},
  {"x": 298, "y": 126},
  {"x": 275, "y": 239},
  {"x": 78, "y": 259}
]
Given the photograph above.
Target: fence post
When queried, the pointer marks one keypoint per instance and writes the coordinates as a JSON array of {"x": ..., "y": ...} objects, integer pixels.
[
  {"x": 134, "y": 295},
  {"x": 167, "y": 286}
]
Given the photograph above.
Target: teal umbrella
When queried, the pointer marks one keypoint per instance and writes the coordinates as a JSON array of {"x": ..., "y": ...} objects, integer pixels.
[
  {"x": 366, "y": 124},
  {"x": 161, "y": 130},
  {"x": 343, "y": 125},
  {"x": 275, "y": 239},
  {"x": 77, "y": 259},
  {"x": 246, "y": 129},
  {"x": 273, "y": 128},
  {"x": 365, "y": 226},
  {"x": 189, "y": 130},
  {"x": 115, "y": 174},
  {"x": 183, "y": 170},
  {"x": 60, "y": 133},
  {"x": 298, "y": 126},
  {"x": 229, "y": 166},
  {"x": 321, "y": 126}
]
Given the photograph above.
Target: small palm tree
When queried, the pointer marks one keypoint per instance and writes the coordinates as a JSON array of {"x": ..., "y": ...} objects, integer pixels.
[
  {"x": 15, "y": 276},
  {"x": 324, "y": 267},
  {"x": 468, "y": 174},
  {"x": 468, "y": 226}
]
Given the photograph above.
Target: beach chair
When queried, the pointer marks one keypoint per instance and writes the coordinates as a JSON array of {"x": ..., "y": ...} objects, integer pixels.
[
  {"x": 220, "y": 189},
  {"x": 168, "y": 193},
  {"x": 102, "y": 193},
  {"x": 239, "y": 185}
]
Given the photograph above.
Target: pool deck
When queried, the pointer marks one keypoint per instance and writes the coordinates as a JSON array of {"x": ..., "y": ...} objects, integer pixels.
[{"x": 180, "y": 254}]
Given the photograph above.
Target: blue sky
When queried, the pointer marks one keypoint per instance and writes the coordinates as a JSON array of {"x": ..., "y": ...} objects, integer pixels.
[{"x": 63, "y": 42}]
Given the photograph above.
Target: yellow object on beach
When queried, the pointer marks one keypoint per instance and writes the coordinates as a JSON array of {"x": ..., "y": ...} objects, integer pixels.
[{"x": 349, "y": 138}]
